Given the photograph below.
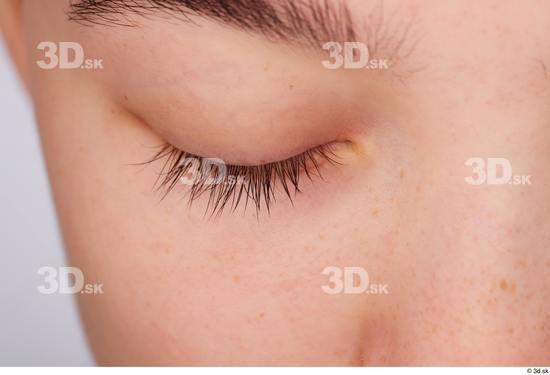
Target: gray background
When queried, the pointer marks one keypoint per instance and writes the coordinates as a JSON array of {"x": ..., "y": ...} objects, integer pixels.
[{"x": 35, "y": 329}]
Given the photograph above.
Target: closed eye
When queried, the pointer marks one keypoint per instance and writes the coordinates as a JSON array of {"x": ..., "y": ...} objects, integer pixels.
[{"x": 228, "y": 186}]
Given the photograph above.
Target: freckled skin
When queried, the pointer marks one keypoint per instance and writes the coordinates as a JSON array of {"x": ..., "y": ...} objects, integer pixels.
[{"x": 467, "y": 266}]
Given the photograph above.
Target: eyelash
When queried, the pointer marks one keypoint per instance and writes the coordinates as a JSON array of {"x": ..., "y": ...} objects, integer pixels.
[{"x": 257, "y": 183}]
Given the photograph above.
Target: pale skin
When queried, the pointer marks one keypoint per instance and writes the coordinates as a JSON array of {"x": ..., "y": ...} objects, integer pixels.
[{"x": 466, "y": 266}]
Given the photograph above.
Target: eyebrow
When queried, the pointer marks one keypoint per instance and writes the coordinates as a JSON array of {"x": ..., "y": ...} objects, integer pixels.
[{"x": 311, "y": 22}]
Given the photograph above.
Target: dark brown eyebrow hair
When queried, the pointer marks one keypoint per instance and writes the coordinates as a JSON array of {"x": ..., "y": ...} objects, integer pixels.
[{"x": 296, "y": 21}]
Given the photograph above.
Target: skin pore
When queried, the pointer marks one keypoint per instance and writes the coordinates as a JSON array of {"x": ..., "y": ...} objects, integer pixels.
[{"x": 466, "y": 266}]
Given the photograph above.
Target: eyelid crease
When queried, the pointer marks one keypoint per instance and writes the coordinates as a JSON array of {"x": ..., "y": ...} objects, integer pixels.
[{"x": 239, "y": 183}]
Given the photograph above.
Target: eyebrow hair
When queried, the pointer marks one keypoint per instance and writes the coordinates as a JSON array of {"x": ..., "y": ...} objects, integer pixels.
[{"x": 312, "y": 22}]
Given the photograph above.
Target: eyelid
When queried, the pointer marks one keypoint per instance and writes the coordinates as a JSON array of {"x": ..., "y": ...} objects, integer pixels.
[{"x": 257, "y": 183}]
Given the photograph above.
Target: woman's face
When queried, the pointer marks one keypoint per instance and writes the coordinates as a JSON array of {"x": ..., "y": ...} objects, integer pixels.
[{"x": 414, "y": 194}]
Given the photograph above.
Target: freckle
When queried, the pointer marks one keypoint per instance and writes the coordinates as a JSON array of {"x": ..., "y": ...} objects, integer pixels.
[
  {"x": 321, "y": 236},
  {"x": 401, "y": 173},
  {"x": 375, "y": 212},
  {"x": 503, "y": 285},
  {"x": 126, "y": 97},
  {"x": 511, "y": 331},
  {"x": 262, "y": 315},
  {"x": 291, "y": 86},
  {"x": 236, "y": 279}
]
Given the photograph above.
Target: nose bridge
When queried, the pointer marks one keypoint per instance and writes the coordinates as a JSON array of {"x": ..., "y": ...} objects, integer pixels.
[
  {"x": 472, "y": 238},
  {"x": 471, "y": 245}
]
